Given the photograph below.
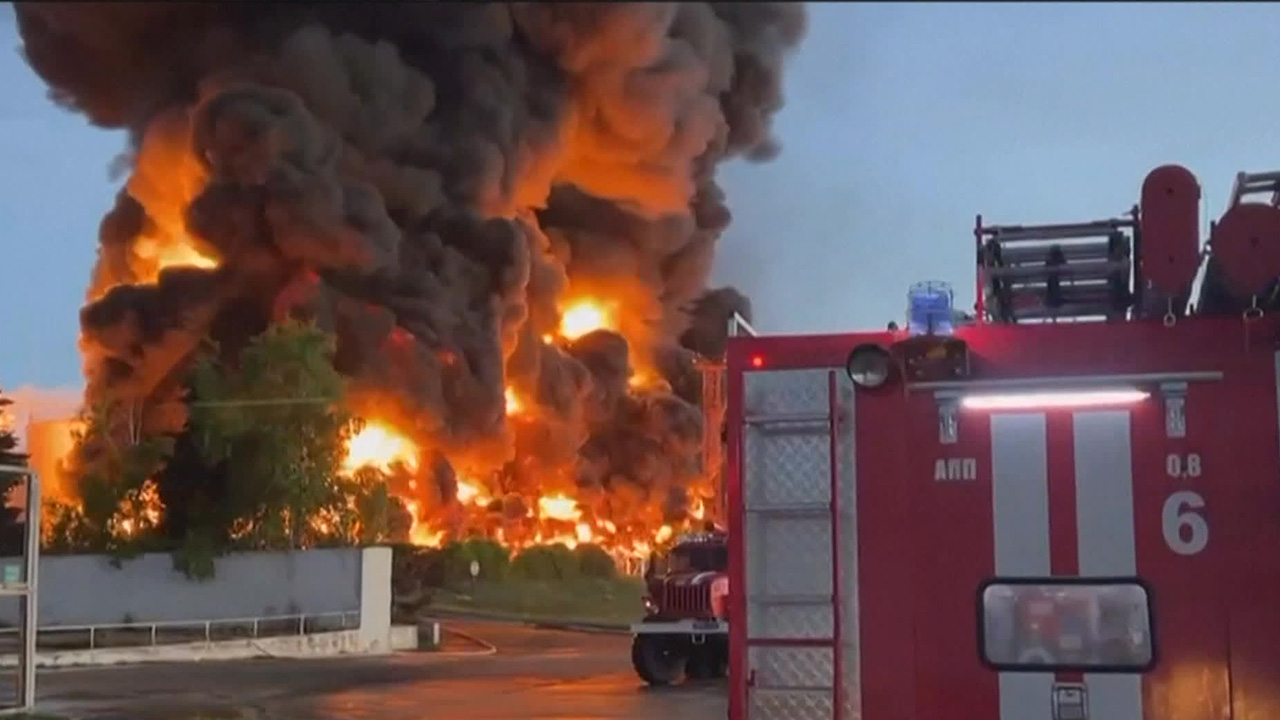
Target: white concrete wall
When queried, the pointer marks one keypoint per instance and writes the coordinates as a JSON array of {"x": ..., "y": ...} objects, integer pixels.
[{"x": 87, "y": 590}]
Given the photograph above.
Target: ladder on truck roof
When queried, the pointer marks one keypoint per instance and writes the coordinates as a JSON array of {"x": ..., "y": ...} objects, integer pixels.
[
  {"x": 1054, "y": 273},
  {"x": 1253, "y": 183}
]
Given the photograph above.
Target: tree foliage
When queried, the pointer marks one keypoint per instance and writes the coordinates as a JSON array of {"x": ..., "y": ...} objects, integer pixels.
[
  {"x": 118, "y": 509},
  {"x": 258, "y": 466},
  {"x": 277, "y": 421},
  {"x": 10, "y": 528},
  {"x": 594, "y": 561},
  {"x": 546, "y": 562}
]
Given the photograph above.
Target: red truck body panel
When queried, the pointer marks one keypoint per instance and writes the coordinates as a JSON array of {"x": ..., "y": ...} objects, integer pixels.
[{"x": 1029, "y": 492}]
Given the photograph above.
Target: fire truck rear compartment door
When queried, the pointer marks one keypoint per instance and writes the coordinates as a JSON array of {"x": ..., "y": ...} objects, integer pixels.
[
  {"x": 1083, "y": 458},
  {"x": 795, "y": 640}
]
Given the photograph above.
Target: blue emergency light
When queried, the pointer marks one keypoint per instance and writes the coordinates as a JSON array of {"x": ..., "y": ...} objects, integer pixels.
[{"x": 929, "y": 308}]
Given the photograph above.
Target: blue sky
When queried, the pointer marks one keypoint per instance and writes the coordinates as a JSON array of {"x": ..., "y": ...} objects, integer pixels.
[{"x": 902, "y": 122}]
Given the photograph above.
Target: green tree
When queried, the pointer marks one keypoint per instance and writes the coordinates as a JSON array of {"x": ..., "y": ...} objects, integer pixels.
[
  {"x": 10, "y": 528},
  {"x": 114, "y": 463},
  {"x": 276, "y": 419}
]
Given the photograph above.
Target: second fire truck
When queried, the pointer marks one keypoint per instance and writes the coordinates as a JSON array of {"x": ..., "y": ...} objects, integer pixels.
[{"x": 1067, "y": 508}]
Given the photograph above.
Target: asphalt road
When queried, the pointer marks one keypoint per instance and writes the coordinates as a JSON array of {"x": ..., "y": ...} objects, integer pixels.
[{"x": 533, "y": 674}]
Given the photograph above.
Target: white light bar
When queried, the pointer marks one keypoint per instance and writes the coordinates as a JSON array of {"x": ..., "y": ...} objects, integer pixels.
[{"x": 1053, "y": 399}]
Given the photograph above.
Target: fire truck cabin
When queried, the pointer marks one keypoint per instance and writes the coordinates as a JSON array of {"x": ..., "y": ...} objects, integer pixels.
[{"x": 1066, "y": 506}]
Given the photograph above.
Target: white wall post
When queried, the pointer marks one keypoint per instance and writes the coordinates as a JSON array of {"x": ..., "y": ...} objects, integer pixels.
[{"x": 375, "y": 600}]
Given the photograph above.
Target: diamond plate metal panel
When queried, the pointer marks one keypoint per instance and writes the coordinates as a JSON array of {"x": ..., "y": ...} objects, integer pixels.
[
  {"x": 792, "y": 667},
  {"x": 788, "y": 465},
  {"x": 789, "y": 620},
  {"x": 791, "y": 705},
  {"x": 788, "y": 556},
  {"x": 785, "y": 392}
]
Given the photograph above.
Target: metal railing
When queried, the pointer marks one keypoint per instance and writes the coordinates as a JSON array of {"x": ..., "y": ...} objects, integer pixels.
[{"x": 202, "y": 630}]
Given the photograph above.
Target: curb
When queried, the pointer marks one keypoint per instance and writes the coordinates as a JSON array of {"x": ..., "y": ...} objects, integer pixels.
[
  {"x": 594, "y": 628},
  {"x": 486, "y": 648},
  {"x": 536, "y": 623}
]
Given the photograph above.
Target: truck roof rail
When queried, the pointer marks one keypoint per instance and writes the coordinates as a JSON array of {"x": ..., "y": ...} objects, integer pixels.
[
  {"x": 739, "y": 326},
  {"x": 1056, "y": 272},
  {"x": 1254, "y": 183}
]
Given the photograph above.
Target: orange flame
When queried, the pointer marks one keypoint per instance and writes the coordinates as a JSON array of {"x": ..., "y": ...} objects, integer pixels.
[
  {"x": 379, "y": 446},
  {"x": 558, "y": 507},
  {"x": 147, "y": 515},
  {"x": 167, "y": 177},
  {"x": 664, "y": 534},
  {"x": 471, "y": 494},
  {"x": 584, "y": 316},
  {"x": 557, "y": 517},
  {"x": 514, "y": 406},
  {"x": 160, "y": 254},
  {"x": 420, "y": 534},
  {"x": 50, "y": 444}
]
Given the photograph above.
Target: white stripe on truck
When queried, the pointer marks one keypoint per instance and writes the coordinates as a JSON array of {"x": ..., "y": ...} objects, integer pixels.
[
  {"x": 1020, "y": 503},
  {"x": 1105, "y": 532}
]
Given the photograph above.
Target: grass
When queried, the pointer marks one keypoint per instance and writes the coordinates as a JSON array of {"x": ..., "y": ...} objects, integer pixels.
[{"x": 586, "y": 600}]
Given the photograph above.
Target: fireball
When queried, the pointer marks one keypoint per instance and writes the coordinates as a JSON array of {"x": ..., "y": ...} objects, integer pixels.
[
  {"x": 585, "y": 316},
  {"x": 379, "y": 446},
  {"x": 558, "y": 507}
]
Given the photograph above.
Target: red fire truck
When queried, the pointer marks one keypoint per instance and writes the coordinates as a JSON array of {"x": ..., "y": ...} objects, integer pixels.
[
  {"x": 684, "y": 633},
  {"x": 1064, "y": 506}
]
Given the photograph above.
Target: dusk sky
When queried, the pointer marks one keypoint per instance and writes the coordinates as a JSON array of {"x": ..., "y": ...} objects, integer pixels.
[{"x": 902, "y": 121}]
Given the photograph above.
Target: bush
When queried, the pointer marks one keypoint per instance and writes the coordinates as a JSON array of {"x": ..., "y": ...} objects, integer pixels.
[
  {"x": 594, "y": 562},
  {"x": 545, "y": 562},
  {"x": 413, "y": 567},
  {"x": 493, "y": 559}
]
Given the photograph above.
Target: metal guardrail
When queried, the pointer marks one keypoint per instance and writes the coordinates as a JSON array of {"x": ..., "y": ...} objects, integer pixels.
[{"x": 298, "y": 624}]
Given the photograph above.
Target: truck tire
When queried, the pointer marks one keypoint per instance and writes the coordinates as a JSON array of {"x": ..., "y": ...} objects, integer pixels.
[{"x": 657, "y": 660}]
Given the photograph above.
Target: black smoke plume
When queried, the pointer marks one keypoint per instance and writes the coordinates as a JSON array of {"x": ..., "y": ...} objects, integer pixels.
[{"x": 431, "y": 182}]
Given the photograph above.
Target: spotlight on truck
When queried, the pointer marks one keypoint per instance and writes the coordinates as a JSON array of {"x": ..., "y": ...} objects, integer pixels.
[{"x": 869, "y": 366}]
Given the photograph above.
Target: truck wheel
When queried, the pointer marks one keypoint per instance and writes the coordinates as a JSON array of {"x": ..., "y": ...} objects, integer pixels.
[{"x": 657, "y": 660}]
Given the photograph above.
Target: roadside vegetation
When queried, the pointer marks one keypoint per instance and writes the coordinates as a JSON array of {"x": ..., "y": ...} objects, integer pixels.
[
  {"x": 259, "y": 467},
  {"x": 542, "y": 583}
]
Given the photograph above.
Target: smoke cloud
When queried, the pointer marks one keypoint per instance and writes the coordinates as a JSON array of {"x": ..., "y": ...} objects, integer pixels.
[{"x": 434, "y": 183}]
